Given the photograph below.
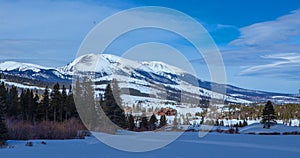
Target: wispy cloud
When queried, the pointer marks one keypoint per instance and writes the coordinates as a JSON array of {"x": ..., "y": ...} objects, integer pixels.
[
  {"x": 283, "y": 65},
  {"x": 281, "y": 29},
  {"x": 270, "y": 48}
]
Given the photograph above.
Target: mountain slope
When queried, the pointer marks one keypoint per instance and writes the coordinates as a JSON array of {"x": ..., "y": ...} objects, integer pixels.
[{"x": 143, "y": 79}]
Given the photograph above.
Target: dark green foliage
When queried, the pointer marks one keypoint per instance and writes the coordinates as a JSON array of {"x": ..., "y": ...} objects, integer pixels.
[
  {"x": 24, "y": 105},
  {"x": 71, "y": 107},
  {"x": 222, "y": 123},
  {"x": 268, "y": 115},
  {"x": 144, "y": 123},
  {"x": 30, "y": 106},
  {"x": 162, "y": 121},
  {"x": 131, "y": 124},
  {"x": 245, "y": 123},
  {"x": 217, "y": 122},
  {"x": 63, "y": 104},
  {"x": 89, "y": 105},
  {"x": 3, "y": 129},
  {"x": 55, "y": 102},
  {"x": 111, "y": 105},
  {"x": 43, "y": 109},
  {"x": 29, "y": 109},
  {"x": 236, "y": 129},
  {"x": 152, "y": 122},
  {"x": 13, "y": 102},
  {"x": 240, "y": 124}
]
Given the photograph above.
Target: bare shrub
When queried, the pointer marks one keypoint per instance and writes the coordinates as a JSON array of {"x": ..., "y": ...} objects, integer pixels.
[{"x": 25, "y": 130}]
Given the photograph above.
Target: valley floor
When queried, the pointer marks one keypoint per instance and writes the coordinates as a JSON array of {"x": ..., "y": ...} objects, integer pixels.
[{"x": 187, "y": 145}]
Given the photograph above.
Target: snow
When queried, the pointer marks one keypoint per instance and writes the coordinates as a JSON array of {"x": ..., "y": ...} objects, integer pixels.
[
  {"x": 187, "y": 145},
  {"x": 125, "y": 70},
  {"x": 22, "y": 86},
  {"x": 159, "y": 67},
  {"x": 279, "y": 128},
  {"x": 11, "y": 65}
]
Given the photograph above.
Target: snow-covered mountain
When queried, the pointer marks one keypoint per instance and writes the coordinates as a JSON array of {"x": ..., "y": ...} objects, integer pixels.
[
  {"x": 32, "y": 71},
  {"x": 141, "y": 79}
]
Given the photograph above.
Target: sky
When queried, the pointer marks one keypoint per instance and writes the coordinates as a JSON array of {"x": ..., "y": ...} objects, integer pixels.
[{"x": 258, "y": 40}]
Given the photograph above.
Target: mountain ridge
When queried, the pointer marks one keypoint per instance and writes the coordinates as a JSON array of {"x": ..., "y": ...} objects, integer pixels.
[{"x": 145, "y": 76}]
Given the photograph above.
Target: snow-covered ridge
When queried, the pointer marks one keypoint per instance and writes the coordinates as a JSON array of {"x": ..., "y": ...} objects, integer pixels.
[
  {"x": 110, "y": 63},
  {"x": 12, "y": 65},
  {"x": 147, "y": 77}
]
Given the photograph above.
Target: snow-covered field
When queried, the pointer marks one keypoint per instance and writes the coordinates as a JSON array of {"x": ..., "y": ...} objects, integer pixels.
[{"x": 187, "y": 145}]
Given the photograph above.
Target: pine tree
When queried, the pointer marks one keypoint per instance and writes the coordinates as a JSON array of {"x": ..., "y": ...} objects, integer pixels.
[
  {"x": 162, "y": 121},
  {"x": 63, "y": 104},
  {"x": 3, "y": 92},
  {"x": 3, "y": 128},
  {"x": 131, "y": 124},
  {"x": 245, "y": 123},
  {"x": 55, "y": 101},
  {"x": 240, "y": 124},
  {"x": 144, "y": 123},
  {"x": 43, "y": 113},
  {"x": 36, "y": 105},
  {"x": 78, "y": 96},
  {"x": 152, "y": 122},
  {"x": 13, "y": 103},
  {"x": 222, "y": 123},
  {"x": 90, "y": 114},
  {"x": 175, "y": 123},
  {"x": 24, "y": 105},
  {"x": 217, "y": 123},
  {"x": 71, "y": 108},
  {"x": 30, "y": 105},
  {"x": 268, "y": 114},
  {"x": 112, "y": 105}
]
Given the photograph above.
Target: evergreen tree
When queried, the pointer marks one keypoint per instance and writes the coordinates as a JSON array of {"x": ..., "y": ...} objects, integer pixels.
[
  {"x": 71, "y": 108},
  {"x": 144, "y": 123},
  {"x": 36, "y": 105},
  {"x": 43, "y": 112},
  {"x": 240, "y": 124},
  {"x": 268, "y": 114},
  {"x": 217, "y": 123},
  {"x": 222, "y": 123},
  {"x": 112, "y": 107},
  {"x": 77, "y": 94},
  {"x": 236, "y": 129},
  {"x": 63, "y": 104},
  {"x": 3, "y": 128},
  {"x": 3, "y": 92},
  {"x": 90, "y": 114},
  {"x": 152, "y": 122},
  {"x": 175, "y": 123},
  {"x": 245, "y": 123},
  {"x": 13, "y": 103},
  {"x": 162, "y": 121},
  {"x": 55, "y": 102},
  {"x": 30, "y": 105},
  {"x": 131, "y": 124},
  {"x": 24, "y": 105}
]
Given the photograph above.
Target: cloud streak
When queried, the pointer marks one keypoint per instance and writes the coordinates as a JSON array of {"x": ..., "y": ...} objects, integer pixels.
[
  {"x": 283, "y": 65},
  {"x": 281, "y": 29},
  {"x": 268, "y": 49}
]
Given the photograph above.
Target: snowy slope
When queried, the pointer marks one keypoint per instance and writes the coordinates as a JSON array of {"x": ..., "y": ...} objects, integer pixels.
[
  {"x": 188, "y": 145},
  {"x": 278, "y": 128},
  {"x": 155, "y": 78},
  {"x": 11, "y": 65}
]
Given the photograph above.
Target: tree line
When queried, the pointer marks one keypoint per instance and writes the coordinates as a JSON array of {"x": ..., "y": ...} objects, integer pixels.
[{"x": 28, "y": 105}]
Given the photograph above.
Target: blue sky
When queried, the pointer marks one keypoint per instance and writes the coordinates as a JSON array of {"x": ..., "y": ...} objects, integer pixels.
[{"x": 259, "y": 40}]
